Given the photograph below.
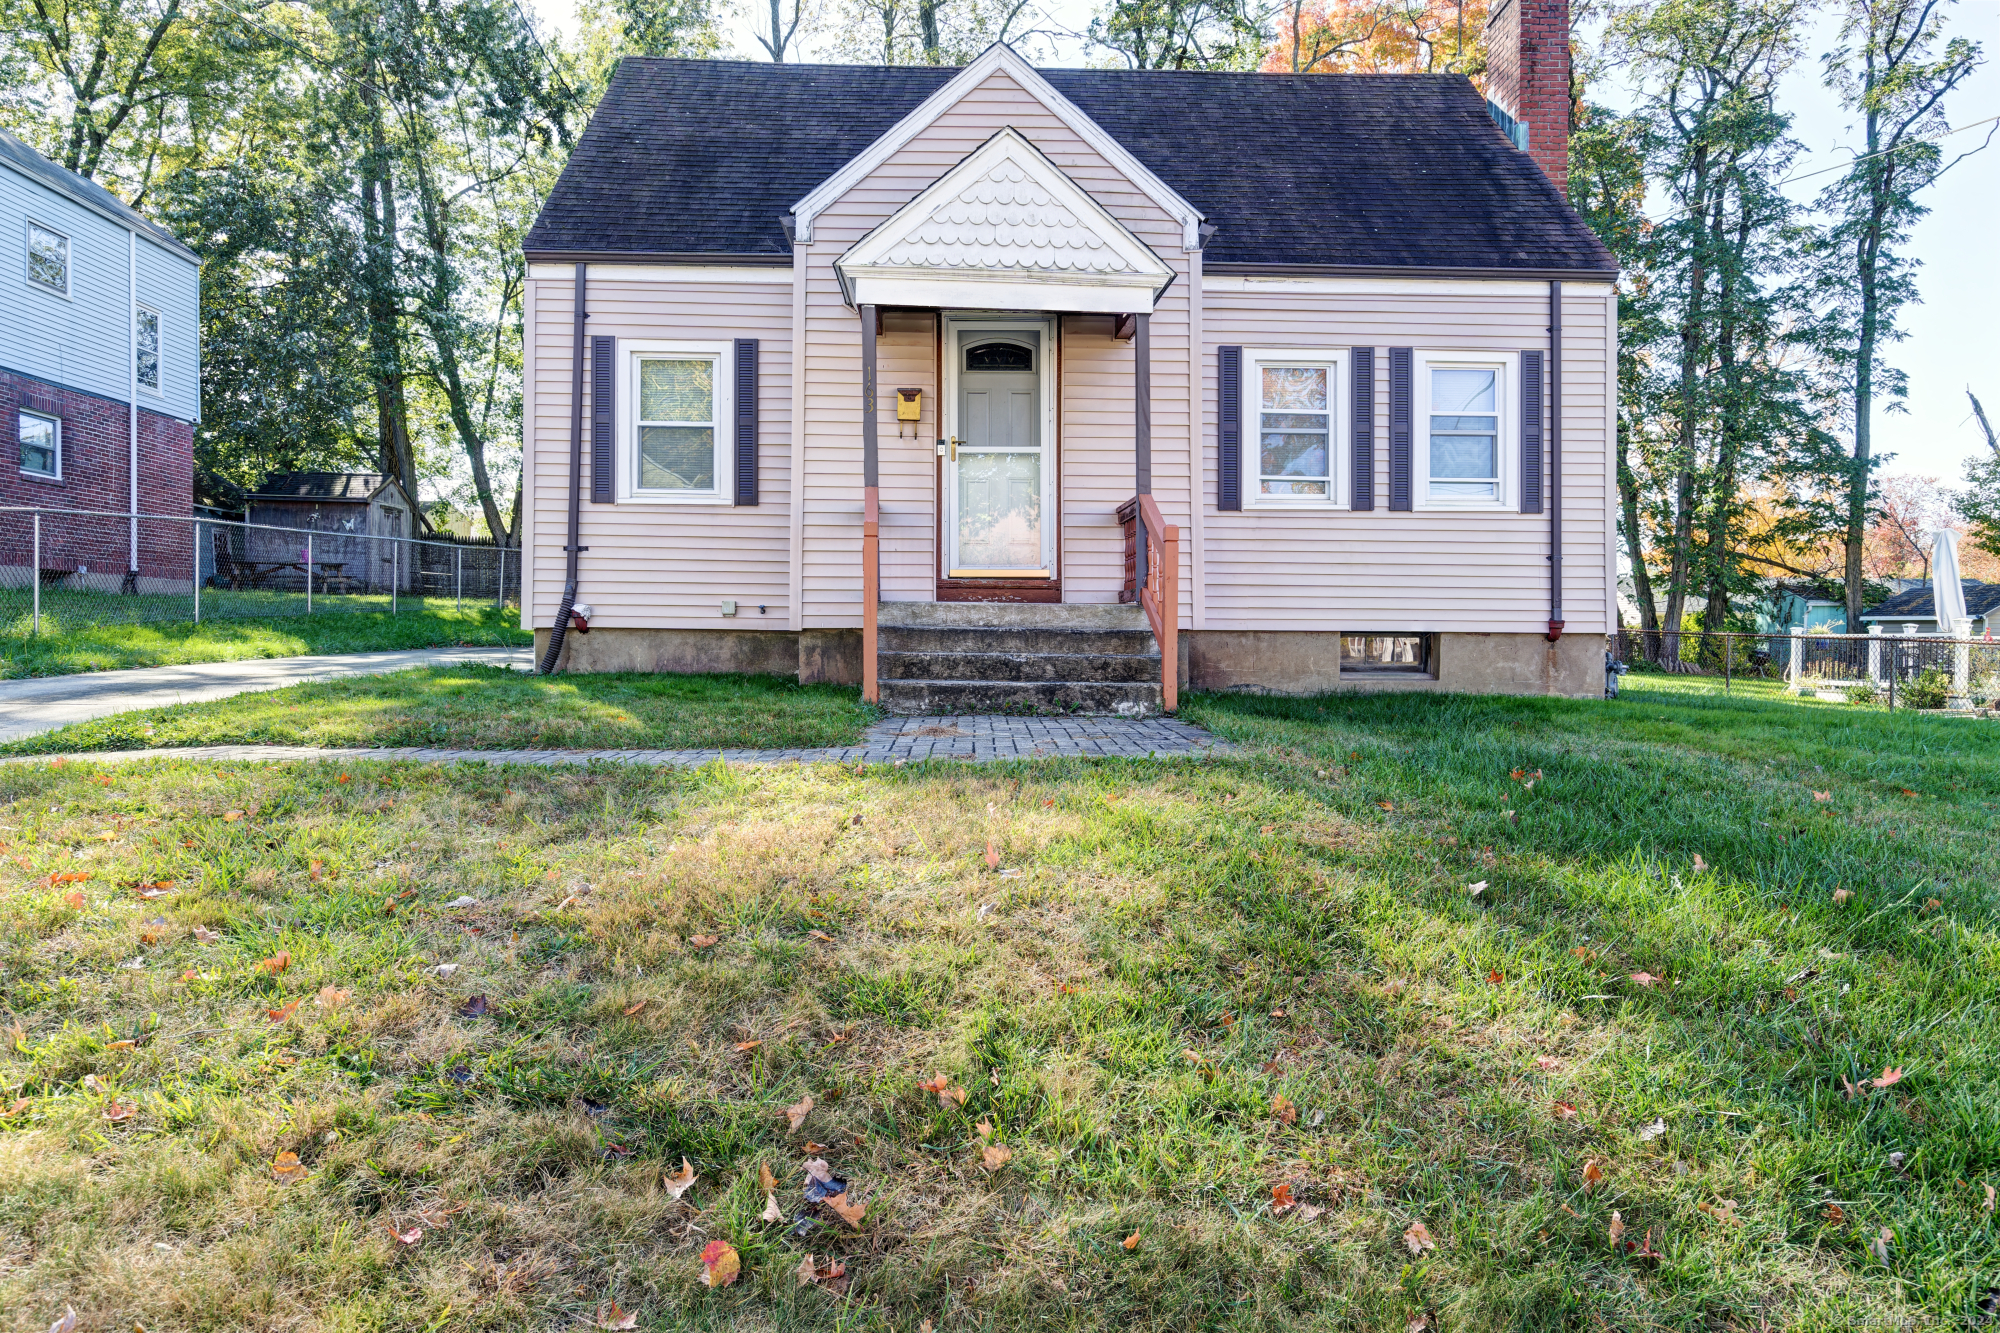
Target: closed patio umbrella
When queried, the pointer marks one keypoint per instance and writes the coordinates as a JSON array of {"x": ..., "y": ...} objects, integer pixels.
[{"x": 1948, "y": 599}]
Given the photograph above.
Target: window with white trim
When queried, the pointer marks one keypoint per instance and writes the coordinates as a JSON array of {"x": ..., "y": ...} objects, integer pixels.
[
  {"x": 146, "y": 347},
  {"x": 41, "y": 445},
  {"x": 48, "y": 258},
  {"x": 1292, "y": 416},
  {"x": 1462, "y": 421},
  {"x": 675, "y": 423}
]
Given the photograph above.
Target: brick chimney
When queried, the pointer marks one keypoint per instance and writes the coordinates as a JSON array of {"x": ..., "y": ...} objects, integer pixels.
[{"x": 1527, "y": 79}]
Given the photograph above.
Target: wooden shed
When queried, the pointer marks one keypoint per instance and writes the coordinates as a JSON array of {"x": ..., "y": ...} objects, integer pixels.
[{"x": 351, "y": 516}]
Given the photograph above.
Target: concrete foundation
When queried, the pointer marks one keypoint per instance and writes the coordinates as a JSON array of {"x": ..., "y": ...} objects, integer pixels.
[
  {"x": 1308, "y": 662},
  {"x": 1258, "y": 661},
  {"x": 832, "y": 655}
]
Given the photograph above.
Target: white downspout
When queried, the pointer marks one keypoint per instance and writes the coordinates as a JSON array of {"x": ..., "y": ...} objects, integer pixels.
[{"x": 132, "y": 396}]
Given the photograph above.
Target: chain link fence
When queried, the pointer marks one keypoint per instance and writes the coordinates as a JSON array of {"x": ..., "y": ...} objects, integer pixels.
[
  {"x": 1899, "y": 670},
  {"x": 74, "y": 567}
]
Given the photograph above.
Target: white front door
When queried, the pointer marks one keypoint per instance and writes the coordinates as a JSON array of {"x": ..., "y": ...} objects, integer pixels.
[{"x": 999, "y": 518}]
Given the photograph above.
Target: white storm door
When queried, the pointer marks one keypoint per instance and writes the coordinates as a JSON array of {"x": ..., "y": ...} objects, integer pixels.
[{"x": 999, "y": 519}]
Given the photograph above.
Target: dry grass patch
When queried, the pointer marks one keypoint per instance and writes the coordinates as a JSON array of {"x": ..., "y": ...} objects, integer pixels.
[{"x": 1178, "y": 989}]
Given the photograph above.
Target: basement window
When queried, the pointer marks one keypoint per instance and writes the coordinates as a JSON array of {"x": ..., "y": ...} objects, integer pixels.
[
  {"x": 1386, "y": 654},
  {"x": 41, "y": 446}
]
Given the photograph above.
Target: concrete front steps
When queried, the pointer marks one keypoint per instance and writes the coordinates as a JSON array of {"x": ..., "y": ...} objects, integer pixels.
[{"x": 946, "y": 658}]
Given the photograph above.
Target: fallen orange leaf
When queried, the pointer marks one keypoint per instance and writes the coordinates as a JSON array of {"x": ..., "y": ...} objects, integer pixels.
[
  {"x": 1282, "y": 1108},
  {"x": 73, "y": 900},
  {"x": 1418, "y": 1238},
  {"x": 613, "y": 1317},
  {"x": 231, "y": 816},
  {"x": 1645, "y": 979},
  {"x": 410, "y": 1237},
  {"x": 118, "y": 1112},
  {"x": 287, "y": 1168},
  {"x": 796, "y": 1113},
  {"x": 749, "y": 1045},
  {"x": 276, "y": 963},
  {"x": 635, "y": 1008},
  {"x": 1131, "y": 1242},
  {"x": 1593, "y": 1174},
  {"x": 1282, "y": 1200},
  {"x": 850, "y": 1213},
  {"x": 703, "y": 941},
  {"x": 280, "y": 1015},
  {"x": 720, "y": 1264},
  {"x": 678, "y": 1182},
  {"x": 331, "y": 997},
  {"x": 1889, "y": 1077},
  {"x": 994, "y": 1156}
]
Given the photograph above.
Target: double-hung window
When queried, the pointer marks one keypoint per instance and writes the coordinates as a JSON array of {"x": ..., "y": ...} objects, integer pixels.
[
  {"x": 1462, "y": 422},
  {"x": 41, "y": 445},
  {"x": 675, "y": 422},
  {"x": 1291, "y": 414},
  {"x": 146, "y": 348},
  {"x": 48, "y": 258}
]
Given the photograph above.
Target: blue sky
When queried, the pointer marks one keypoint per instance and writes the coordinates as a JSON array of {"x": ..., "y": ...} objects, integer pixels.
[{"x": 1953, "y": 337}]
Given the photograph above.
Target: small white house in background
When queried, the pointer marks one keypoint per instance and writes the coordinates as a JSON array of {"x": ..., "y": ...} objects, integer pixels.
[
  {"x": 1068, "y": 388},
  {"x": 1914, "y": 612}
]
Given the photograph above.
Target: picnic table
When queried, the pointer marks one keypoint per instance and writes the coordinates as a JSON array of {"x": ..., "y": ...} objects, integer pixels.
[{"x": 259, "y": 573}]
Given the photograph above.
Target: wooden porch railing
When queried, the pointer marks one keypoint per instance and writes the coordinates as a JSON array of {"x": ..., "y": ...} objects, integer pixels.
[{"x": 1152, "y": 578}]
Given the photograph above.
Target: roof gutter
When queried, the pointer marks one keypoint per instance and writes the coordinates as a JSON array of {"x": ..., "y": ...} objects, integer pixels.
[
  {"x": 571, "y": 549},
  {"x": 1239, "y": 268},
  {"x": 1555, "y": 460}
]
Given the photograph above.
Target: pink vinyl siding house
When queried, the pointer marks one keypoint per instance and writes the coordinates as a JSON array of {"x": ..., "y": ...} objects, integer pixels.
[{"x": 1001, "y": 386}]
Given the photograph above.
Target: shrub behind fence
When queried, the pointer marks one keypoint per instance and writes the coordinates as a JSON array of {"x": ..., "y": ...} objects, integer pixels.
[{"x": 68, "y": 567}]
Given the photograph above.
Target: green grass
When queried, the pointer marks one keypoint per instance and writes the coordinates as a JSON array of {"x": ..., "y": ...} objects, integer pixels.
[
  {"x": 66, "y": 647},
  {"x": 1184, "y": 943},
  {"x": 481, "y": 707}
]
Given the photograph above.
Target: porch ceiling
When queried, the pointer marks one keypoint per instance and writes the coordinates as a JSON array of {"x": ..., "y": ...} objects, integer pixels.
[{"x": 1004, "y": 229}]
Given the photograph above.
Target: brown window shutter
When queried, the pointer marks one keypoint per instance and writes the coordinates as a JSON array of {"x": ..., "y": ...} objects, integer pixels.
[
  {"x": 1229, "y": 428},
  {"x": 1362, "y": 489},
  {"x": 1402, "y": 377},
  {"x": 1531, "y": 432},
  {"x": 746, "y": 421},
  {"x": 603, "y": 398}
]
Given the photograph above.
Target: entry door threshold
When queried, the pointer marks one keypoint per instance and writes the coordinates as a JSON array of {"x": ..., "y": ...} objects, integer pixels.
[{"x": 998, "y": 574}]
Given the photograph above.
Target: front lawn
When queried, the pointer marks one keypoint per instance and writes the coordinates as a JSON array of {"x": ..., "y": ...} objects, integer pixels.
[
  {"x": 1224, "y": 1044},
  {"x": 482, "y": 707},
  {"x": 67, "y": 647}
]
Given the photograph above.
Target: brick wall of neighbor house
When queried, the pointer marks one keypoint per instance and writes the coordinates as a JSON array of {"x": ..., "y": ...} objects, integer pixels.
[
  {"x": 1528, "y": 73},
  {"x": 96, "y": 449}
]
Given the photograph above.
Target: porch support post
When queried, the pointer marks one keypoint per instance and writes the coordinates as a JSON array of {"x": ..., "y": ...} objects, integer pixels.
[
  {"x": 1142, "y": 404},
  {"x": 871, "y": 533},
  {"x": 1142, "y": 438}
]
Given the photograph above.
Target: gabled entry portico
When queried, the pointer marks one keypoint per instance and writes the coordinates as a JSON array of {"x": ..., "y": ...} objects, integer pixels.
[{"x": 997, "y": 250}]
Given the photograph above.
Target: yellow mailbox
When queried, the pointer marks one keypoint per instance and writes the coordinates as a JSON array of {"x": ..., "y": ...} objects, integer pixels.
[{"x": 910, "y": 408}]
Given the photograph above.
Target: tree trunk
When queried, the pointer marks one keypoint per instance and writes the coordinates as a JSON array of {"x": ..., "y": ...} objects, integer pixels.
[
  {"x": 1680, "y": 551},
  {"x": 1729, "y": 425},
  {"x": 1868, "y": 249},
  {"x": 927, "y": 23},
  {"x": 379, "y": 231}
]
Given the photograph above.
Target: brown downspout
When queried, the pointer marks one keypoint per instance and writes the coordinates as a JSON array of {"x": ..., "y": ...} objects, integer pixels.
[
  {"x": 571, "y": 549},
  {"x": 1555, "y": 460}
]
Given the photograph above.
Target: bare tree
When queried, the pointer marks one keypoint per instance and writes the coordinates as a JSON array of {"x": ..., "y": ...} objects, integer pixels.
[{"x": 781, "y": 33}]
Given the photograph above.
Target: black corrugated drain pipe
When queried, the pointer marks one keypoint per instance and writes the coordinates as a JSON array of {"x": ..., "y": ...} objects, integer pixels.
[
  {"x": 571, "y": 550},
  {"x": 1555, "y": 460}
]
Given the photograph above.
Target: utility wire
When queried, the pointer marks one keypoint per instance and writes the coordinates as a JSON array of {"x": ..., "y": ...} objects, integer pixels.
[{"x": 1849, "y": 165}]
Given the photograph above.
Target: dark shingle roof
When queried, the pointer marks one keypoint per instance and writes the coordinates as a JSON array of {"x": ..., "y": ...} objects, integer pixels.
[
  {"x": 1371, "y": 170},
  {"x": 334, "y": 486},
  {"x": 86, "y": 192},
  {"x": 1980, "y": 599}
]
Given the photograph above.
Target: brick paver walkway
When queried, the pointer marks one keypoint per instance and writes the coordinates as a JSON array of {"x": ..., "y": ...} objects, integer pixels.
[{"x": 898, "y": 740}]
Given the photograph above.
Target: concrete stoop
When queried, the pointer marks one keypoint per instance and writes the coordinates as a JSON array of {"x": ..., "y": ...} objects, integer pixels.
[{"x": 951, "y": 658}]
